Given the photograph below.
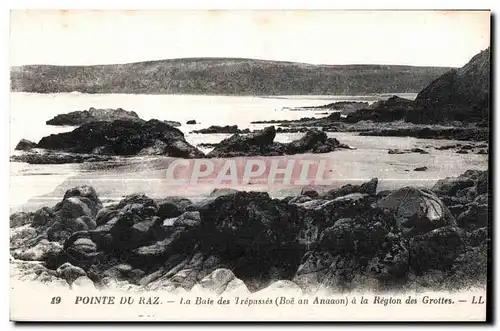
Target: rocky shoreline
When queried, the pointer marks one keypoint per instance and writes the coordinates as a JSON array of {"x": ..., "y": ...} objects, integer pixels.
[
  {"x": 343, "y": 239},
  {"x": 454, "y": 106},
  {"x": 105, "y": 140}
]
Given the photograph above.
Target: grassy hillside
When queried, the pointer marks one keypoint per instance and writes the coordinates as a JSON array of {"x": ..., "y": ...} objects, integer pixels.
[{"x": 223, "y": 76}]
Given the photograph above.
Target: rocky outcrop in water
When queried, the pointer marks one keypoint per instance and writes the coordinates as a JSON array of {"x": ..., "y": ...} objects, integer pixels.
[
  {"x": 77, "y": 118},
  {"x": 41, "y": 156},
  {"x": 25, "y": 145},
  {"x": 222, "y": 129},
  {"x": 261, "y": 143},
  {"x": 343, "y": 106},
  {"x": 393, "y": 109},
  {"x": 246, "y": 241},
  {"x": 123, "y": 137},
  {"x": 430, "y": 132}
]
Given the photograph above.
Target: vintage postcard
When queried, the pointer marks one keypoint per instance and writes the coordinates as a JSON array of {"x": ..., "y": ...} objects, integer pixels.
[{"x": 307, "y": 165}]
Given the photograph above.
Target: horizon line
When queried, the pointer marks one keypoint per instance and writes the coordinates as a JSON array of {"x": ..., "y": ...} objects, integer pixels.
[{"x": 234, "y": 58}]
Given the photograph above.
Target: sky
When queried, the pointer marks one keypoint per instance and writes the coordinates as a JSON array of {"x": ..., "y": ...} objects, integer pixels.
[{"x": 83, "y": 37}]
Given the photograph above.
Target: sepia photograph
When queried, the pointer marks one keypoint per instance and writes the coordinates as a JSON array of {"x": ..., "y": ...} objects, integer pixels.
[{"x": 257, "y": 165}]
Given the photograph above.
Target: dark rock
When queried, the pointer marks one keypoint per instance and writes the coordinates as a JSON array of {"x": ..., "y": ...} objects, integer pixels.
[
  {"x": 119, "y": 272},
  {"x": 310, "y": 193},
  {"x": 392, "y": 109},
  {"x": 250, "y": 220},
  {"x": 20, "y": 219},
  {"x": 482, "y": 199},
  {"x": 421, "y": 169},
  {"x": 477, "y": 237},
  {"x": 436, "y": 249},
  {"x": 43, "y": 250},
  {"x": 178, "y": 240},
  {"x": 70, "y": 272},
  {"x": 219, "y": 129},
  {"x": 451, "y": 186},
  {"x": 89, "y": 196},
  {"x": 191, "y": 122},
  {"x": 42, "y": 216},
  {"x": 314, "y": 141},
  {"x": 392, "y": 238},
  {"x": 461, "y": 94},
  {"x": 325, "y": 269},
  {"x": 25, "y": 145},
  {"x": 105, "y": 215},
  {"x": 122, "y": 137},
  {"x": 419, "y": 150},
  {"x": 446, "y": 147},
  {"x": 172, "y": 123},
  {"x": 217, "y": 192},
  {"x": 261, "y": 143},
  {"x": 82, "y": 251},
  {"x": 172, "y": 206},
  {"x": 57, "y": 157},
  {"x": 189, "y": 218},
  {"x": 417, "y": 210},
  {"x": 431, "y": 132},
  {"x": 405, "y": 151},
  {"x": 257, "y": 143},
  {"x": 78, "y": 118},
  {"x": 475, "y": 216},
  {"x": 467, "y": 147},
  {"x": 369, "y": 187},
  {"x": 391, "y": 264},
  {"x": 345, "y": 106}
]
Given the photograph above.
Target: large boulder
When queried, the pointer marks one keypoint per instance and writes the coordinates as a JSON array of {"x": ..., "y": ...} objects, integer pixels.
[
  {"x": 42, "y": 251},
  {"x": 81, "y": 249},
  {"x": 77, "y": 118},
  {"x": 250, "y": 220},
  {"x": 314, "y": 141},
  {"x": 452, "y": 185},
  {"x": 172, "y": 206},
  {"x": 122, "y": 137},
  {"x": 392, "y": 261},
  {"x": 369, "y": 187},
  {"x": 261, "y": 143},
  {"x": 322, "y": 270},
  {"x": 417, "y": 210},
  {"x": 461, "y": 94},
  {"x": 25, "y": 145},
  {"x": 256, "y": 143},
  {"x": 393, "y": 109},
  {"x": 474, "y": 216},
  {"x": 436, "y": 249},
  {"x": 21, "y": 218},
  {"x": 70, "y": 272}
]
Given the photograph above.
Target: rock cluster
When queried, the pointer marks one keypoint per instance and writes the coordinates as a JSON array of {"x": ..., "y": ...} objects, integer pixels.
[
  {"x": 123, "y": 137},
  {"x": 261, "y": 143},
  {"x": 103, "y": 140},
  {"x": 222, "y": 129},
  {"x": 246, "y": 241}
]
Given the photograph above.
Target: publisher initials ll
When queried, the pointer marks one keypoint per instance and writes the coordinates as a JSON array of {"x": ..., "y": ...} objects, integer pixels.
[{"x": 477, "y": 301}]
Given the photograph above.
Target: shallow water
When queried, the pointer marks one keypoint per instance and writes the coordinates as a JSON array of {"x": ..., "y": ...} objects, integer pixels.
[{"x": 45, "y": 184}]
